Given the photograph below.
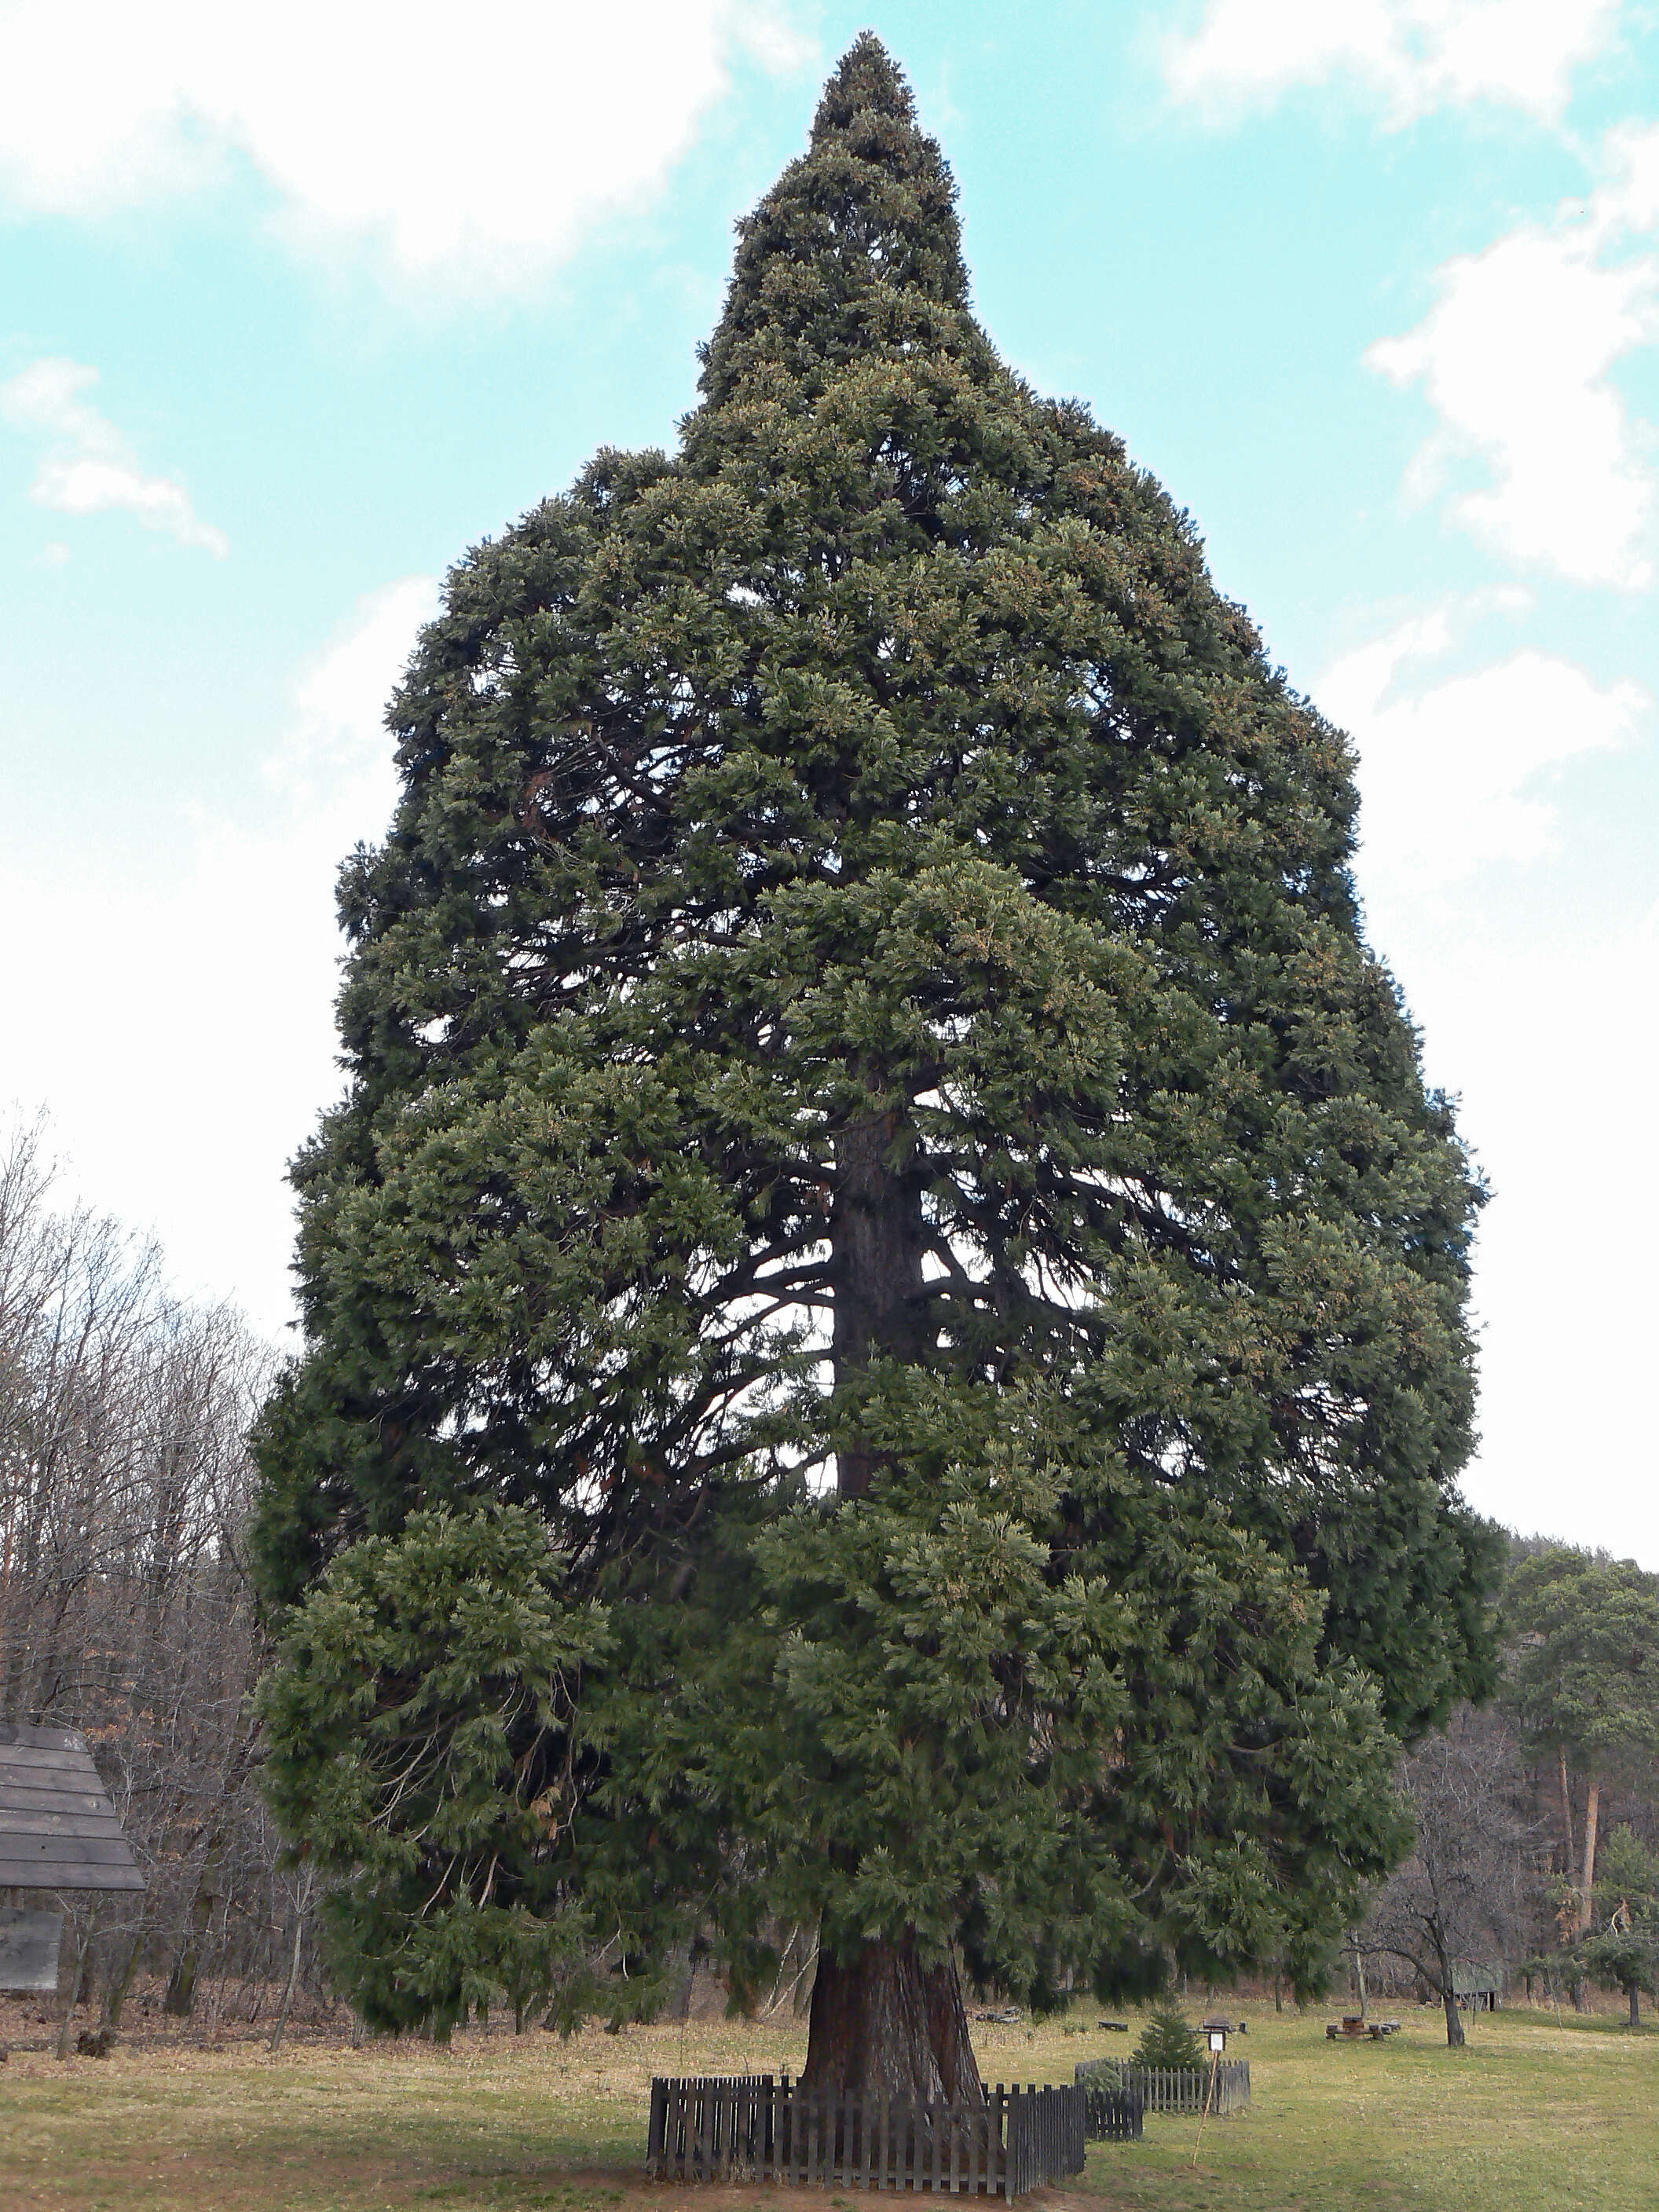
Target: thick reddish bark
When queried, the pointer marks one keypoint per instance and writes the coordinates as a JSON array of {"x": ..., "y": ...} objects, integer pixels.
[
  {"x": 877, "y": 1241},
  {"x": 882, "y": 2021},
  {"x": 886, "y": 2023}
]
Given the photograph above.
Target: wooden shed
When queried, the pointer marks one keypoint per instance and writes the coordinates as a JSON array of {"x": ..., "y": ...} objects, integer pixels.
[
  {"x": 57, "y": 1827},
  {"x": 1478, "y": 1984}
]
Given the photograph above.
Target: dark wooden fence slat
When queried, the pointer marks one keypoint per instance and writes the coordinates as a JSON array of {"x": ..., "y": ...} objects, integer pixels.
[{"x": 753, "y": 2128}]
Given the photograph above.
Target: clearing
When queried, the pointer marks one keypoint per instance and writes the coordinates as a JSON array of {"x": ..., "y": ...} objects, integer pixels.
[{"x": 1533, "y": 2111}]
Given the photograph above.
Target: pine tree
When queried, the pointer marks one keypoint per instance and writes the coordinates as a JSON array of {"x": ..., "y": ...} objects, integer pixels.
[
  {"x": 1169, "y": 2040},
  {"x": 1583, "y": 1676},
  {"x": 873, "y": 1120},
  {"x": 1625, "y": 1949}
]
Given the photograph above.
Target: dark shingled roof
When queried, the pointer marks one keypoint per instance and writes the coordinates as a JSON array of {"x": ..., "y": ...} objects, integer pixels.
[{"x": 57, "y": 1828}]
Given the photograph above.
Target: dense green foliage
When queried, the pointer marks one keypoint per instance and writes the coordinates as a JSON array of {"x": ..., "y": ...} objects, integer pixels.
[
  {"x": 1168, "y": 2038},
  {"x": 1583, "y": 1660},
  {"x": 1623, "y": 1949},
  {"x": 418, "y": 1731},
  {"x": 1629, "y": 1877},
  {"x": 872, "y": 1119}
]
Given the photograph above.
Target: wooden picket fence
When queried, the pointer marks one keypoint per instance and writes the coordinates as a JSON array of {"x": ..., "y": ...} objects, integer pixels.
[
  {"x": 754, "y": 2128},
  {"x": 1174, "y": 2088},
  {"x": 1111, "y": 2113},
  {"x": 1044, "y": 2138}
]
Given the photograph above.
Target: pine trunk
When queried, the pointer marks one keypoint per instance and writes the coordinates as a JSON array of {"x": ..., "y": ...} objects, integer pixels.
[
  {"x": 884, "y": 2024},
  {"x": 1635, "y": 2006},
  {"x": 1587, "y": 1885}
]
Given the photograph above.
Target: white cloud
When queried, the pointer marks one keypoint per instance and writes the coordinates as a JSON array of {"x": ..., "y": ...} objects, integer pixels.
[
  {"x": 336, "y": 751},
  {"x": 88, "y": 467},
  {"x": 1515, "y": 358},
  {"x": 1454, "y": 774},
  {"x": 1630, "y": 198},
  {"x": 472, "y": 149},
  {"x": 213, "y": 1046},
  {"x": 1547, "y": 1033},
  {"x": 1536, "y": 1006},
  {"x": 1412, "y": 55}
]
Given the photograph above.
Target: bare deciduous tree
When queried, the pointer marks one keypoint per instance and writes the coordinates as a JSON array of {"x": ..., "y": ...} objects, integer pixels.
[
  {"x": 124, "y": 1609},
  {"x": 1466, "y": 1890}
]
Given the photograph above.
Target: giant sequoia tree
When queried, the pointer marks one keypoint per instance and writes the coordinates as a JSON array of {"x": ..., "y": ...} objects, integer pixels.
[{"x": 885, "y": 1308}]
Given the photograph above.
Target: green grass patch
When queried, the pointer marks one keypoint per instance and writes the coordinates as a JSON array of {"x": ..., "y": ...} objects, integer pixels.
[{"x": 1531, "y": 2112}]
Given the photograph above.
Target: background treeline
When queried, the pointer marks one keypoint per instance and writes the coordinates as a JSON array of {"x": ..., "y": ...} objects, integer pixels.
[
  {"x": 1537, "y": 1817},
  {"x": 125, "y": 1611}
]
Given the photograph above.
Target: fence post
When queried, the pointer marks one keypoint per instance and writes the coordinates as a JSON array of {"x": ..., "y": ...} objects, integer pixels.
[{"x": 754, "y": 2127}]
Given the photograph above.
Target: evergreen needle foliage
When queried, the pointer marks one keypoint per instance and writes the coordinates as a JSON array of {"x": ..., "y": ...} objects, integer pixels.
[
  {"x": 872, "y": 1128},
  {"x": 1625, "y": 1949},
  {"x": 1583, "y": 1677},
  {"x": 1169, "y": 2040}
]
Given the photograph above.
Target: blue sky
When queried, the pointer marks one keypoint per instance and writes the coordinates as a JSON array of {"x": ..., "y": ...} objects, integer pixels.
[{"x": 293, "y": 309}]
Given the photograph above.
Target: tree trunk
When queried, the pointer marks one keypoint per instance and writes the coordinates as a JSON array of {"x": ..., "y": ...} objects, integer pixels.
[
  {"x": 1566, "y": 1816},
  {"x": 1635, "y": 2007},
  {"x": 876, "y": 1241},
  {"x": 179, "y": 2002},
  {"x": 884, "y": 2023},
  {"x": 120, "y": 1981},
  {"x": 293, "y": 1977},
  {"x": 1358, "y": 1971},
  {"x": 1445, "y": 1977},
  {"x": 881, "y": 2021},
  {"x": 1587, "y": 1887},
  {"x": 81, "y": 1936}
]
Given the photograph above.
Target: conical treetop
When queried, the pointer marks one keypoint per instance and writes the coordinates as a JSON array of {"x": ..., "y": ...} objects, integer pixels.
[
  {"x": 857, "y": 244},
  {"x": 866, "y": 81}
]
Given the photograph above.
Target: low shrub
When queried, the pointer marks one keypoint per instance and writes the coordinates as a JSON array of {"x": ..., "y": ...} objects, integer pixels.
[{"x": 1168, "y": 2040}]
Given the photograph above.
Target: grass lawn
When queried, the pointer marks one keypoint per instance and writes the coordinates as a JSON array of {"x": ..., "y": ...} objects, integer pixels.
[{"x": 1531, "y": 2114}]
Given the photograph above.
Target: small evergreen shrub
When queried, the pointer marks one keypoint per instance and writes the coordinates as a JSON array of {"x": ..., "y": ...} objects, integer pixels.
[{"x": 1168, "y": 2040}]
